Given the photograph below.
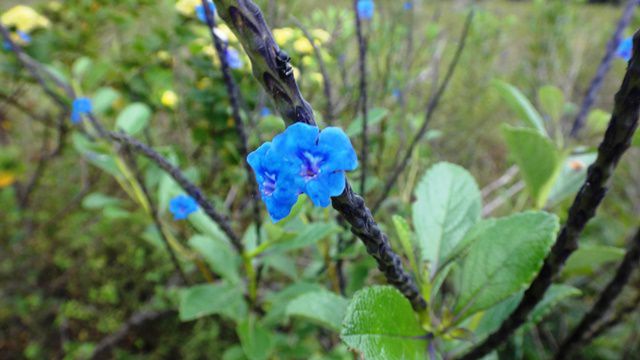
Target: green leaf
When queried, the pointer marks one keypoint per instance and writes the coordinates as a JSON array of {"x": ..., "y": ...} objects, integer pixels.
[
  {"x": 521, "y": 106},
  {"x": 80, "y": 66},
  {"x": 103, "y": 99},
  {"x": 597, "y": 121},
  {"x": 404, "y": 234},
  {"x": 448, "y": 204},
  {"x": 375, "y": 115},
  {"x": 97, "y": 154},
  {"x": 309, "y": 234},
  {"x": 571, "y": 177},
  {"x": 256, "y": 341},
  {"x": 133, "y": 118},
  {"x": 503, "y": 258},
  {"x": 381, "y": 324},
  {"x": 553, "y": 296},
  {"x": 323, "y": 307},
  {"x": 588, "y": 258},
  {"x": 537, "y": 158},
  {"x": 551, "y": 100},
  {"x": 207, "y": 299},
  {"x": 219, "y": 255},
  {"x": 277, "y": 302},
  {"x": 97, "y": 200}
]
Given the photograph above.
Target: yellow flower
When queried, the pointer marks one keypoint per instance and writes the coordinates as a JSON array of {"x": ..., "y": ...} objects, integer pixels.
[
  {"x": 187, "y": 7},
  {"x": 308, "y": 61},
  {"x": 169, "y": 99},
  {"x": 283, "y": 35},
  {"x": 203, "y": 83},
  {"x": 6, "y": 179},
  {"x": 303, "y": 46},
  {"x": 321, "y": 36},
  {"x": 296, "y": 73},
  {"x": 24, "y": 19},
  {"x": 54, "y": 6},
  {"x": 211, "y": 52},
  {"x": 316, "y": 77},
  {"x": 163, "y": 56}
]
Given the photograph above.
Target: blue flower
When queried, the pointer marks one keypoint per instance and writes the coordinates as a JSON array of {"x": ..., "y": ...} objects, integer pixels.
[
  {"x": 182, "y": 206},
  {"x": 320, "y": 159},
  {"x": 276, "y": 181},
  {"x": 625, "y": 49},
  {"x": 265, "y": 111},
  {"x": 408, "y": 5},
  {"x": 366, "y": 8},
  {"x": 25, "y": 39},
  {"x": 396, "y": 93},
  {"x": 202, "y": 16},
  {"x": 302, "y": 159},
  {"x": 78, "y": 107},
  {"x": 233, "y": 58}
]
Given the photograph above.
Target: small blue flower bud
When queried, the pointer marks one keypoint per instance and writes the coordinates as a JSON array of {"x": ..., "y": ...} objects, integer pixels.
[{"x": 182, "y": 206}]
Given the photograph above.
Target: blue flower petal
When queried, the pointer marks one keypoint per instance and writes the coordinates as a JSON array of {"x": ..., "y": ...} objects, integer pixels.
[
  {"x": 233, "y": 58},
  {"x": 366, "y": 9},
  {"x": 625, "y": 49},
  {"x": 202, "y": 16},
  {"x": 295, "y": 137},
  {"x": 80, "y": 106},
  {"x": 321, "y": 189},
  {"x": 335, "y": 142},
  {"x": 182, "y": 206}
]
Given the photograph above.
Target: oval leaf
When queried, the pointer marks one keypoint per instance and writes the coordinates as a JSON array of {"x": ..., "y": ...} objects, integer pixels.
[
  {"x": 521, "y": 106},
  {"x": 448, "y": 204},
  {"x": 323, "y": 307},
  {"x": 537, "y": 158},
  {"x": 503, "y": 258},
  {"x": 381, "y": 325},
  {"x": 133, "y": 118}
]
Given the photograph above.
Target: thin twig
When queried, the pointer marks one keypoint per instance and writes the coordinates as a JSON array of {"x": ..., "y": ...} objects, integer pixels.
[
  {"x": 186, "y": 185},
  {"x": 607, "y": 297},
  {"x": 364, "y": 109},
  {"x": 603, "y": 68},
  {"x": 163, "y": 163},
  {"x": 326, "y": 80},
  {"x": 153, "y": 213},
  {"x": 234, "y": 99},
  {"x": 272, "y": 69},
  {"x": 499, "y": 182},
  {"x": 617, "y": 140},
  {"x": 499, "y": 200},
  {"x": 616, "y": 319},
  {"x": 431, "y": 107}
]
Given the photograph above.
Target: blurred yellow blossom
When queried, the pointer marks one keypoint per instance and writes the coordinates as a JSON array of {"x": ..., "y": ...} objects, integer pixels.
[
  {"x": 283, "y": 35},
  {"x": 203, "y": 83},
  {"x": 163, "y": 56},
  {"x": 321, "y": 36},
  {"x": 187, "y": 7},
  {"x": 169, "y": 99},
  {"x": 24, "y": 19},
  {"x": 308, "y": 61},
  {"x": 54, "y": 6},
  {"x": 6, "y": 179},
  {"x": 303, "y": 46},
  {"x": 316, "y": 78},
  {"x": 296, "y": 73}
]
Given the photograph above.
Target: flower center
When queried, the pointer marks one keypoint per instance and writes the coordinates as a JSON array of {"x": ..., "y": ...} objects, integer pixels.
[
  {"x": 310, "y": 165},
  {"x": 269, "y": 184}
]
